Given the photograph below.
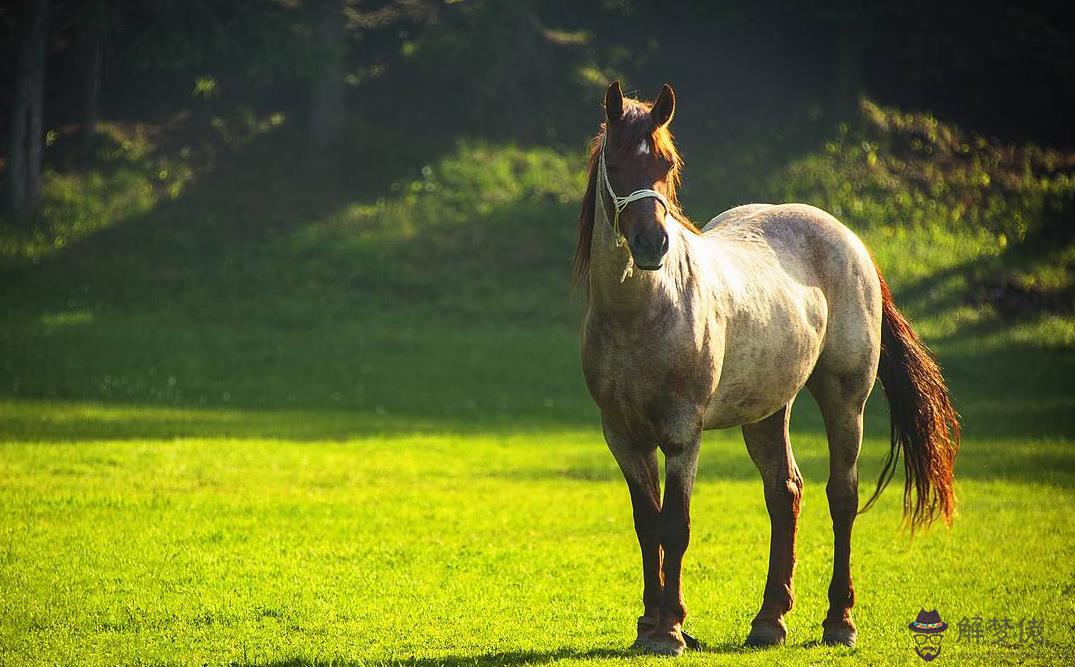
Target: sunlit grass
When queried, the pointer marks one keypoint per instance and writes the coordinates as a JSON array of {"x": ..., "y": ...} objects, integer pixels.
[{"x": 388, "y": 549}]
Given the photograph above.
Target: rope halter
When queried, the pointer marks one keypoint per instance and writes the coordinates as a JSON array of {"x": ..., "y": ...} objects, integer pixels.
[{"x": 621, "y": 202}]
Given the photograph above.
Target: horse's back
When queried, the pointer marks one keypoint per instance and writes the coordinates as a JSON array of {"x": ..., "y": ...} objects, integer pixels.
[{"x": 803, "y": 237}]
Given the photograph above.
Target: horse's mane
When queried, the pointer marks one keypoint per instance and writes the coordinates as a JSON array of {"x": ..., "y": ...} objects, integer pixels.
[{"x": 636, "y": 127}]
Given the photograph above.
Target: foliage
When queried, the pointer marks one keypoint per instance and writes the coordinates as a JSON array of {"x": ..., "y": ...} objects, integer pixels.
[
  {"x": 893, "y": 168},
  {"x": 127, "y": 178},
  {"x": 471, "y": 183},
  {"x": 263, "y": 40},
  {"x": 503, "y": 69}
]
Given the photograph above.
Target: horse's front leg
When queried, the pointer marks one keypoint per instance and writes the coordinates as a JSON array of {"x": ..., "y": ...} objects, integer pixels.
[
  {"x": 681, "y": 464},
  {"x": 770, "y": 448},
  {"x": 639, "y": 465}
]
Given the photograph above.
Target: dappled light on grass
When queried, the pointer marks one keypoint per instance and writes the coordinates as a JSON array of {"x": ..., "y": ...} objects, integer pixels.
[
  {"x": 67, "y": 319},
  {"x": 127, "y": 181},
  {"x": 122, "y": 175},
  {"x": 475, "y": 235}
]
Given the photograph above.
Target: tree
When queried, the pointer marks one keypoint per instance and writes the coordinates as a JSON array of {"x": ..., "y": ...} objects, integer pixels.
[
  {"x": 27, "y": 129},
  {"x": 326, "y": 81},
  {"x": 96, "y": 20},
  {"x": 337, "y": 26}
]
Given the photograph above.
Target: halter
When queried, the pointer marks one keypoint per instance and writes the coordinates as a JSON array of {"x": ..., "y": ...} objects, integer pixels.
[{"x": 621, "y": 202}]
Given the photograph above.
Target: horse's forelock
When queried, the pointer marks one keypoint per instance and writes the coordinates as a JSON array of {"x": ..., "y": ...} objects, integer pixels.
[{"x": 637, "y": 126}]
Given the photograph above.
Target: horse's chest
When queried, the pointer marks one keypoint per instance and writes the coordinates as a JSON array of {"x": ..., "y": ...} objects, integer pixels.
[{"x": 647, "y": 380}]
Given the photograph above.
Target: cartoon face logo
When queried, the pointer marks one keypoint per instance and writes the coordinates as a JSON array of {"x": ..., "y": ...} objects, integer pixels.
[{"x": 928, "y": 631}]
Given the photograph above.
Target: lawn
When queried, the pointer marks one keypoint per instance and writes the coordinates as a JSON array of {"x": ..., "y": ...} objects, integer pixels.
[
  {"x": 354, "y": 431},
  {"x": 499, "y": 547}
]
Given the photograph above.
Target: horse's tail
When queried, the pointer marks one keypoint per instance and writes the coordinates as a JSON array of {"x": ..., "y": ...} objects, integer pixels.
[{"x": 925, "y": 426}]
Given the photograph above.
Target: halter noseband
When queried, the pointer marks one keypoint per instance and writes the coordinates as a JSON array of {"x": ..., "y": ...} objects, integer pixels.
[{"x": 621, "y": 202}]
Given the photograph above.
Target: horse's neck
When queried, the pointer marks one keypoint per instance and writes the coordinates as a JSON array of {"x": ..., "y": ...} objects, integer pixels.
[{"x": 616, "y": 285}]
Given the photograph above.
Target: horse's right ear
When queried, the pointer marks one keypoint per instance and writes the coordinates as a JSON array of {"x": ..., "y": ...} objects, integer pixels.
[{"x": 614, "y": 102}]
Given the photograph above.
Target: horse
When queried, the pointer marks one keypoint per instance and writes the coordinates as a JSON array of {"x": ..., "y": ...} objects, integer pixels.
[{"x": 689, "y": 329}]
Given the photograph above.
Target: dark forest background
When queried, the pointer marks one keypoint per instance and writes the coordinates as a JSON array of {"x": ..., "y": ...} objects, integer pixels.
[
  {"x": 287, "y": 203},
  {"x": 289, "y": 354},
  {"x": 754, "y": 78}
]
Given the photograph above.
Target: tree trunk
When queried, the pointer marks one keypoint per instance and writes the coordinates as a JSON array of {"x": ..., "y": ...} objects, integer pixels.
[
  {"x": 94, "y": 65},
  {"x": 16, "y": 158},
  {"x": 36, "y": 136},
  {"x": 847, "y": 76},
  {"x": 326, "y": 86},
  {"x": 27, "y": 127}
]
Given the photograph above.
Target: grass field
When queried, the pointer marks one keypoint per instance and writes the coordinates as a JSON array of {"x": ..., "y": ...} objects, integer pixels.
[{"x": 231, "y": 433}]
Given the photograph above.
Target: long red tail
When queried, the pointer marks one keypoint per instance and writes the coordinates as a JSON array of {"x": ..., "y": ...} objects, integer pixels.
[{"x": 925, "y": 426}]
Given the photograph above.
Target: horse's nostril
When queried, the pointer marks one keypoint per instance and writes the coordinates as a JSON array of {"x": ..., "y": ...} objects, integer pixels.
[{"x": 648, "y": 243}]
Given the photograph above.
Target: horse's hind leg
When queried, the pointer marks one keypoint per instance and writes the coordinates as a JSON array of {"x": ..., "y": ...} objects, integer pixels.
[
  {"x": 770, "y": 448},
  {"x": 841, "y": 400}
]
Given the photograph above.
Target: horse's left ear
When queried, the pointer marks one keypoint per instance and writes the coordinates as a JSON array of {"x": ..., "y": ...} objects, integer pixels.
[{"x": 664, "y": 106}]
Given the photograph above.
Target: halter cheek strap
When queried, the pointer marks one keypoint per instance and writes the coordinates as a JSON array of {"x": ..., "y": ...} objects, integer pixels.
[{"x": 621, "y": 202}]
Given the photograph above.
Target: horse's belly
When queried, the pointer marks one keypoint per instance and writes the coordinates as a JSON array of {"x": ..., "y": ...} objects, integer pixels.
[
  {"x": 739, "y": 403},
  {"x": 764, "y": 368}
]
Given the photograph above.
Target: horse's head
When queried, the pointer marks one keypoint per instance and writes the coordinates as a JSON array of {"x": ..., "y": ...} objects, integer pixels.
[{"x": 643, "y": 170}]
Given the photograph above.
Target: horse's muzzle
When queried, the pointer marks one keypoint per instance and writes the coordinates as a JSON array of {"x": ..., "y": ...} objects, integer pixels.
[{"x": 649, "y": 247}]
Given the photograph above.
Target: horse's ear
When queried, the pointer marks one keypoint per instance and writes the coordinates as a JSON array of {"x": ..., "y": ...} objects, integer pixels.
[
  {"x": 664, "y": 107},
  {"x": 614, "y": 102}
]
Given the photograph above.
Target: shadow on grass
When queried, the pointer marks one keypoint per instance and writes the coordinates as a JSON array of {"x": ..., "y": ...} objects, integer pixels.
[
  {"x": 556, "y": 443},
  {"x": 78, "y": 421},
  {"x": 509, "y": 658},
  {"x": 505, "y": 658}
]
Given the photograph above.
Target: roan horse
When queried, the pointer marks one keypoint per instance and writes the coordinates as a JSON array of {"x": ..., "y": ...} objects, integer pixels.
[{"x": 690, "y": 330}]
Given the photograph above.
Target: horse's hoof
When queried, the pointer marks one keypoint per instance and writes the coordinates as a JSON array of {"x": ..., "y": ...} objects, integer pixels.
[
  {"x": 839, "y": 633},
  {"x": 646, "y": 625},
  {"x": 661, "y": 647},
  {"x": 767, "y": 633},
  {"x": 664, "y": 641}
]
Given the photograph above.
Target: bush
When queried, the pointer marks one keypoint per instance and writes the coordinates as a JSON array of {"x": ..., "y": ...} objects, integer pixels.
[{"x": 893, "y": 168}]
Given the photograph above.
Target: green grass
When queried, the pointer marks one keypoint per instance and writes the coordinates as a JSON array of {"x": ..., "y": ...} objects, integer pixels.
[
  {"x": 500, "y": 547},
  {"x": 243, "y": 426}
]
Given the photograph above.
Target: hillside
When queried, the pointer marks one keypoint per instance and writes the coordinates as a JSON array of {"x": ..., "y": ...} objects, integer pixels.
[{"x": 226, "y": 278}]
